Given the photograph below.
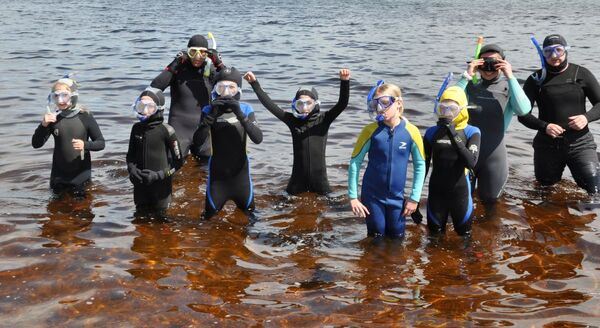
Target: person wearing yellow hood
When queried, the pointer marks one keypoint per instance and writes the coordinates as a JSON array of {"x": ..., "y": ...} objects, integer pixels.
[{"x": 452, "y": 147}]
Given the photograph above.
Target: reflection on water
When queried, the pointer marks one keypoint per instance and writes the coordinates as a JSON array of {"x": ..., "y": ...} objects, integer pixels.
[{"x": 306, "y": 261}]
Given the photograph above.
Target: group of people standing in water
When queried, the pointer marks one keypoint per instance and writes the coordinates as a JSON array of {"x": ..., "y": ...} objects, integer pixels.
[{"x": 464, "y": 149}]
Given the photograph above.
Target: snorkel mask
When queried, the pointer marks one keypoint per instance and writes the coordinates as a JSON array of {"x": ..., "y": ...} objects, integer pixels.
[
  {"x": 373, "y": 104},
  {"x": 58, "y": 97},
  {"x": 303, "y": 107}
]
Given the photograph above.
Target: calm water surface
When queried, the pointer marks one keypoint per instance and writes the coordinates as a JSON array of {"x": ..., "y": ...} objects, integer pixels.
[{"x": 307, "y": 261}]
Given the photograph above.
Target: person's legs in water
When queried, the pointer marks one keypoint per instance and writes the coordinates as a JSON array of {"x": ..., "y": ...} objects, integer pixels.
[
  {"x": 437, "y": 212},
  {"x": 549, "y": 162},
  {"x": 375, "y": 220},
  {"x": 394, "y": 221},
  {"x": 583, "y": 164}
]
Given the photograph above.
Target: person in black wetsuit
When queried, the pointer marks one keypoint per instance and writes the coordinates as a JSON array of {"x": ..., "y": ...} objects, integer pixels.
[
  {"x": 191, "y": 78},
  {"x": 228, "y": 122},
  {"x": 452, "y": 148},
  {"x": 153, "y": 154},
  {"x": 309, "y": 127},
  {"x": 75, "y": 132},
  {"x": 563, "y": 137}
]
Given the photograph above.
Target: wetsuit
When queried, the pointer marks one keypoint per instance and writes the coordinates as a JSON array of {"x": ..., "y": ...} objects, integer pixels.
[
  {"x": 453, "y": 152},
  {"x": 384, "y": 180},
  {"x": 560, "y": 96},
  {"x": 498, "y": 100},
  {"x": 190, "y": 92},
  {"x": 309, "y": 138},
  {"x": 228, "y": 166},
  {"x": 69, "y": 170},
  {"x": 153, "y": 146}
]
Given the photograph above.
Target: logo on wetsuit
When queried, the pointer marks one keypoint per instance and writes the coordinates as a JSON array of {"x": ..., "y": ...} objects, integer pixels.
[
  {"x": 473, "y": 148},
  {"x": 402, "y": 145}
]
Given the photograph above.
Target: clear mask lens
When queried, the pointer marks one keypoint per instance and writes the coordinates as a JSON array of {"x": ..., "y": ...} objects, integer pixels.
[
  {"x": 551, "y": 50},
  {"x": 195, "y": 51},
  {"x": 304, "y": 106},
  {"x": 61, "y": 97},
  {"x": 223, "y": 88},
  {"x": 145, "y": 108},
  {"x": 448, "y": 110},
  {"x": 381, "y": 104}
]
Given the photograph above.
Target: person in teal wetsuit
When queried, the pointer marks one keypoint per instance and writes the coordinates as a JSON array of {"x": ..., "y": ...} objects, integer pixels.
[
  {"x": 389, "y": 141},
  {"x": 498, "y": 99}
]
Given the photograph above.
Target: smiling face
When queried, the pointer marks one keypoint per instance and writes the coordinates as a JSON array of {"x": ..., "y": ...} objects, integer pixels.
[{"x": 61, "y": 95}]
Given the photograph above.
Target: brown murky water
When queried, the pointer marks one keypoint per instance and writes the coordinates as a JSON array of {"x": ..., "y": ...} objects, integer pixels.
[{"x": 307, "y": 261}]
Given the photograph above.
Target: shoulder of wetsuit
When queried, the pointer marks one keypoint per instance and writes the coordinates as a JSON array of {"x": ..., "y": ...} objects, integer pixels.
[
  {"x": 207, "y": 109},
  {"x": 430, "y": 132},
  {"x": 246, "y": 109},
  {"x": 170, "y": 130},
  {"x": 470, "y": 130}
]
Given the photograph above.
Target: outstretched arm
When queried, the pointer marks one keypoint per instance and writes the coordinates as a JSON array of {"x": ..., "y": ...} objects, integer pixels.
[{"x": 342, "y": 103}]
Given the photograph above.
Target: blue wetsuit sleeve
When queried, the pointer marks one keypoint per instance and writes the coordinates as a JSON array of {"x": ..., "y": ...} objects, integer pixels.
[
  {"x": 518, "y": 103},
  {"x": 417, "y": 153},
  {"x": 354, "y": 169}
]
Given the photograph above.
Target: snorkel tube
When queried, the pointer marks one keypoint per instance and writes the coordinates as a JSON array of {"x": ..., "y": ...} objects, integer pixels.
[
  {"x": 447, "y": 80},
  {"x": 379, "y": 117},
  {"x": 477, "y": 51},
  {"x": 539, "y": 78},
  {"x": 214, "y": 47}
]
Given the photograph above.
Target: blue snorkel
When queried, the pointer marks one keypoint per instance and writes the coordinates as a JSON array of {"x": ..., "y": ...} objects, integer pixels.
[
  {"x": 447, "y": 80},
  {"x": 539, "y": 78},
  {"x": 379, "y": 117}
]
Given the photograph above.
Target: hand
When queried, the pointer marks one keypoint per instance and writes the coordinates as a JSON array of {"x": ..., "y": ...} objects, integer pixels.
[
  {"x": 473, "y": 64},
  {"x": 249, "y": 76},
  {"x": 234, "y": 106},
  {"x": 578, "y": 122},
  {"x": 77, "y": 144},
  {"x": 358, "y": 208},
  {"x": 345, "y": 74},
  {"x": 150, "y": 176},
  {"x": 207, "y": 120},
  {"x": 134, "y": 173},
  {"x": 410, "y": 206},
  {"x": 505, "y": 67},
  {"x": 554, "y": 130},
  {"x": 215, "y": 57},
  {"x": 48, "y": 118},
  {"x": 444, "y": 122}
]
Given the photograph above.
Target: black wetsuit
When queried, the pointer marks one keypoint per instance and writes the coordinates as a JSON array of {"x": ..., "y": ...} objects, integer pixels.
[
  {"x": 560, "y": 96},
  {"x": 228, "y": 166},
  {"x": 190, "y": 92},
  {"x": 454, "y": 153},
  {"x": 69, "y": 170},
  {"x": 309, "y": 137},
  {"x": 153, "y": 146}
]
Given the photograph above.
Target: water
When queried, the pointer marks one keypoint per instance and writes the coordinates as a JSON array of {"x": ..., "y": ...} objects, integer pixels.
[{"x": 307, "y": 261}]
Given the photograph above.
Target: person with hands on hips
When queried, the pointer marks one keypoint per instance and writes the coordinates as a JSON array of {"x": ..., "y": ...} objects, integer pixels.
[
  {"x": 389, "y": 142},
  {"x": 191, "y": 77},
  {"x": 309, "y": 127},
  {"x": 498, "y": 97},
  {"x": 153, "y": 155},
  {"x": 451, "y": 150},
  {"x": 563, "y": 137},
  {"x": 229, "y": 123},
  {"x": 75, "y": 133}
]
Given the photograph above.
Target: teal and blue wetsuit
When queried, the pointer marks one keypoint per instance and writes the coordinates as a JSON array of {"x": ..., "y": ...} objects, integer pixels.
[
  {"x": 498, "y": 101},
  {"x": 385, "y": 177}
]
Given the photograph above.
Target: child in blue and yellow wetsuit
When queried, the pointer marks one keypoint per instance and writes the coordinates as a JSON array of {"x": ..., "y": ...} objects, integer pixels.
[
  {"x": 389, "y": 141},
  {"x": 452, "y": 146}
]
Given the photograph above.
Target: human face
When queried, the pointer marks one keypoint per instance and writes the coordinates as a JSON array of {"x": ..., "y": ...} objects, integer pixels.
[
  {"x": 197, "y": 55},
  {"x": 226, "y": 88},
  {"x": 61, "y": 95},
  {"x": 145, "y": 106},
  {"x": 305, "y": 104},
  {"x": 448, "y": 109},
  {"x": 489, "y": 75},
  {"x": 386, "y": 106},
  {"x": 555, "y": 54}
]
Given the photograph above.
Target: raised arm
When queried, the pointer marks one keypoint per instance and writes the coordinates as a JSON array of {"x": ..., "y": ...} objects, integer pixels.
[{"x": 342, "y": 102}]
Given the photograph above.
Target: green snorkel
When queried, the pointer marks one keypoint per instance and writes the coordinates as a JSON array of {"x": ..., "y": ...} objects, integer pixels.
[
  {"x": 214, "y": 46},
  {"x": 477, "y": 51}
]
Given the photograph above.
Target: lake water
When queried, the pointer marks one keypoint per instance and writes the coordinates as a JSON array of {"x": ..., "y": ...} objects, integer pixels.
[{"x": 307, "y": 261}]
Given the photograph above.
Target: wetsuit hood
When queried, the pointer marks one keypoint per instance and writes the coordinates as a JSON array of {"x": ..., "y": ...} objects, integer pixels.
[
  {"x": 556, "y": 39},
  {"x": 458, "y": 95}
]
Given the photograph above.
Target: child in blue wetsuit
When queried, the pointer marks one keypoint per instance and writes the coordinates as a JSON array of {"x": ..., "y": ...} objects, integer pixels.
[
  {"x": 452, "y": 146},
  {"x": 229, "y": 123},
  {"x": 390, "y": 142}
]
